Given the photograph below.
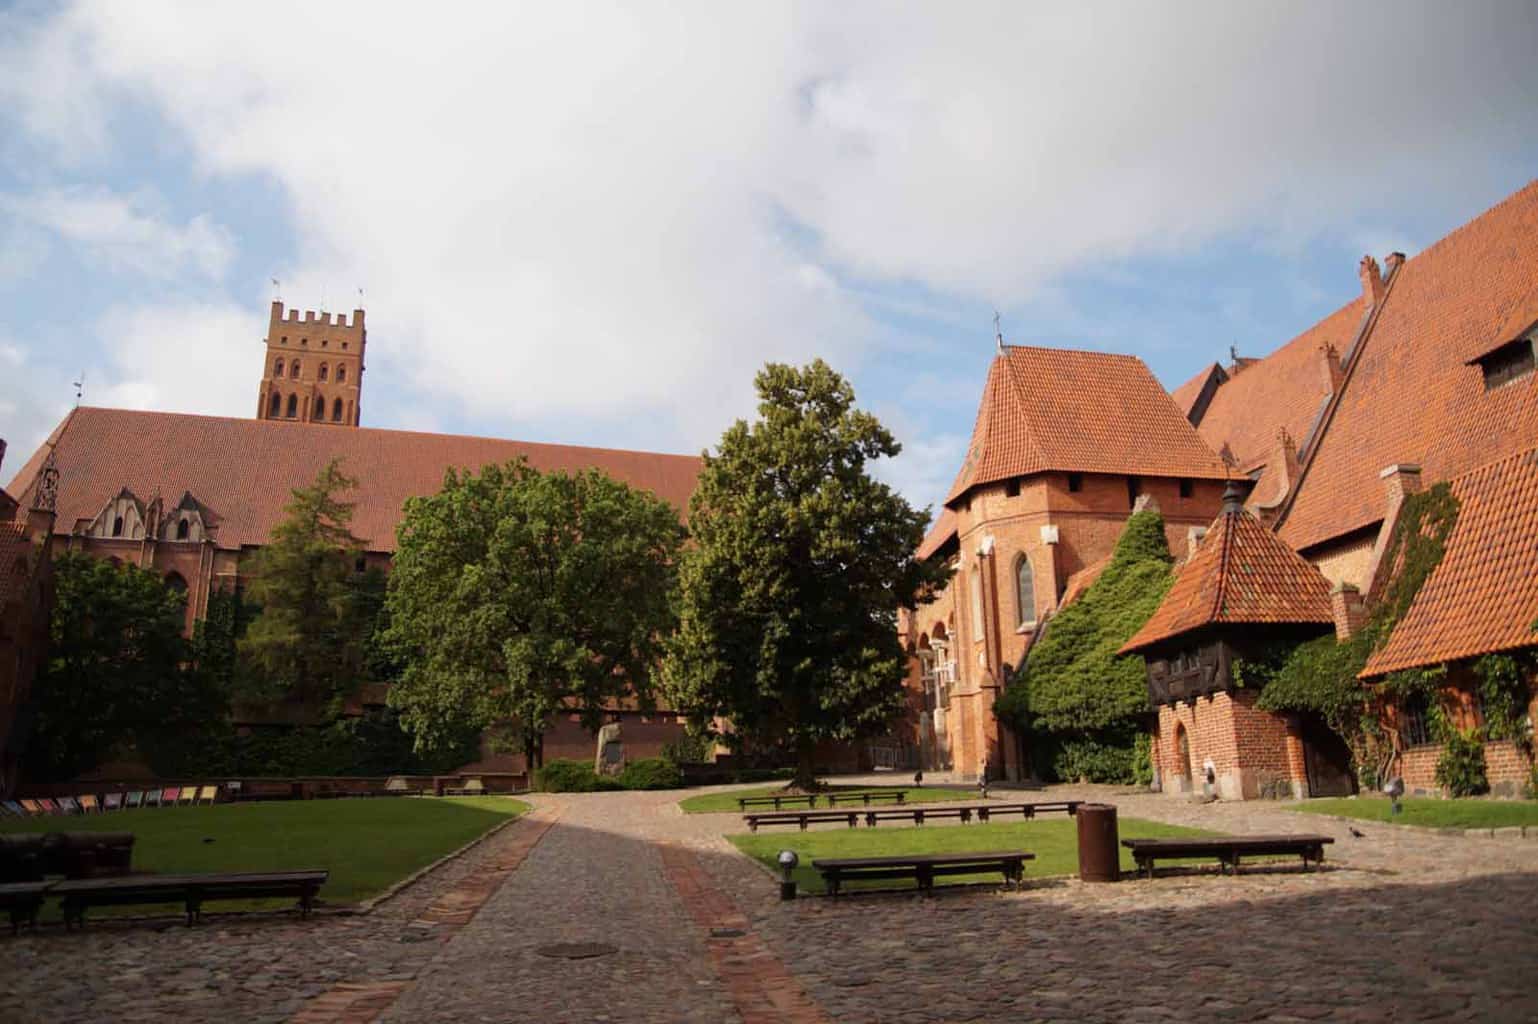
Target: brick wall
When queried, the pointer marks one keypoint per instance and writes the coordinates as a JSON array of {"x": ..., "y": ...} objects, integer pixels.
[{"x": 1251, "y": 753}]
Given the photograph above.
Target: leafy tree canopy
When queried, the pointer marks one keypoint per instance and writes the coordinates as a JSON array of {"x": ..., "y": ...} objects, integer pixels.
[
  {"x": 800, "y": 560},
  {"x": 309, "y": 638},
  {"x": 516, "y": 595},
  {"x": 115, "y": 676}
]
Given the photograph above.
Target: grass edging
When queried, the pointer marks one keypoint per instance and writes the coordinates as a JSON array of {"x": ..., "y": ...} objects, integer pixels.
[{"x": 367, "y": 906}]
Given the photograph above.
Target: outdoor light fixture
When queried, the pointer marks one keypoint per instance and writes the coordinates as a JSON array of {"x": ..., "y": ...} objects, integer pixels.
[
  {"x": 1395, "y": 789},
  {"x": 788, "y": 861}
]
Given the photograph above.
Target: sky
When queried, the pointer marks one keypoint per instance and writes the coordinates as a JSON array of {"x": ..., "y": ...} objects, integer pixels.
[{"x": 593, "y": 223}]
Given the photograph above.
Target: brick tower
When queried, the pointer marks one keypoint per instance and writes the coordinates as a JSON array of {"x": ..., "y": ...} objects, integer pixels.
[{"x": 314, "y": 368}]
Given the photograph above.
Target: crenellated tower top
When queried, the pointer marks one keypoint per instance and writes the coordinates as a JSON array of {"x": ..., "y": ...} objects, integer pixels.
[{"x": 313, "y": 371}]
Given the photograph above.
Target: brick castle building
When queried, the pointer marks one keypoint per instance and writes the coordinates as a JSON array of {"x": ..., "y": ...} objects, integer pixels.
[{"x": 1425, "y": 376}]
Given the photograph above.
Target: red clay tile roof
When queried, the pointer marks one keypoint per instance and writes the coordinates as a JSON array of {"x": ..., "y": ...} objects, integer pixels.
[
  {"x": 1284, "y": 390},
  {"x": 1241, "y": 573},
  {"x": 1483, "y": 595},
  {"x": 1060, "y": 409},
  {"x": 244, "y": 470},
  {"x": 1185, "y": 395},
  {"x": 944, "y": 530},
  {"x": 1410, "y": 398}
]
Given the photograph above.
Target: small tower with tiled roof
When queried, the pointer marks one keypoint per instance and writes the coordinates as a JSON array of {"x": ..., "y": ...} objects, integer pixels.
[{"x": 314, "y": 368}]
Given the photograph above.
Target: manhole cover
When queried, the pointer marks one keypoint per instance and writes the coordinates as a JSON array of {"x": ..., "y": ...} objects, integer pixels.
[
  {"x": 576, "y": 950},
  {"x": 727, "y": 933}
]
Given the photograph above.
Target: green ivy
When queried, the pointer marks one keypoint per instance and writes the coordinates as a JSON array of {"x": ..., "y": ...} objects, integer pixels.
[
  {"x": 1461, "y": 767},
  {"x": 1504, "y": 692}
]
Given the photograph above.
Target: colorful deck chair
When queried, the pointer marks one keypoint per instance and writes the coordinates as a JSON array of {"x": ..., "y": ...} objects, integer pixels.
[
  {"x": 112, "y": 802},
  {"x": 151, "y": 797},
  {"x": 32, "y": 807},
  {"x": 88, "y": 803},
  {"x": 14, "y": 808},
  {"x": 68, "y": 805},
  {"x": 189, "y": 795},
  {"x": 208, "y": 794},
  {"x": 135, "y": 799},
  {"x": 50, "y": 806},
  {"x": 168, "y": 796}
]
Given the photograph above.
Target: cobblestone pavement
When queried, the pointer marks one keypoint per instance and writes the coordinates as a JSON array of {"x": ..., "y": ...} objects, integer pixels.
[{"x": 1403, "y": 924}]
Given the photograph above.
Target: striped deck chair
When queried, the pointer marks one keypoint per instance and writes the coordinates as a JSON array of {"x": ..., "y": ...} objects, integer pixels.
[
  {"x": 88, "y": 803},
  {"x": 51, "y": 806},
  {"x": 32, "y": 807},
  {"x": 68, "y": 805},
  {"x": 112, "y": 802},
  {"x": 14, "y": 808},
  {"x": 135, "y": 799},
  {"x": 208, "y": 795},
  {"x": 168, "y": 796},
  {"x": 189, "y": 795}
]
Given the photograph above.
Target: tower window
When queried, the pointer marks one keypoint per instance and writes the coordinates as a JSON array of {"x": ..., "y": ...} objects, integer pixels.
[
  {"x": 1012, "y": 487},
  {"x": 336, "y": 411},
  {"x": 344, "y": 346},
  {"x": 293, "y": 369},
  {"x": 1075, "y": 482},
  {"x": 321, "y": 374},
  {"x": 1134, "y": 488},
  {"x": 341, "y": 373},
  {"x": 283, "y": 340},
  {"x": 1185, "y": 488},
  {"x": 293, "y": 406},
  {"x": 324, "y": 343},
  {"x": 275, "y": 405},
  {"x": 182, "y": 529},
  {"x": 277, "y": 367},
  {"x": 1025, "y": 592},
  {"x": 320, "y": 407}
]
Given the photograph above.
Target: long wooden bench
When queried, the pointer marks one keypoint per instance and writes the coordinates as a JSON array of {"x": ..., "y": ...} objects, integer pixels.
[
  {"x": 1068, "y": 807},
  {"x": 918, "y": 815},
  {"x": 896, "y": 796},
  {"x": 1227, "y": 849},
  {"x": 801, "y": 818},
  {"x": 192, "y": 891},
  {"x": 922, "y": 868},
  {"x": 778, "y": 800},
  {"x": 23, "y": 900}
]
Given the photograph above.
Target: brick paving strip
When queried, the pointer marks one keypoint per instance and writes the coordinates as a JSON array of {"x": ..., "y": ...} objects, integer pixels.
[
  {"x": 360, "y": 1002},
  {"x": 758, "y": 982}
]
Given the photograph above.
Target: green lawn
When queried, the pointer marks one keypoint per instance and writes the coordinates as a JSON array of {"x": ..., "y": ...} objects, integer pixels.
[
  {"x": 366, "y": 844},
  {"x": 726, "y": 800},
  {"x": 1055, "y": 842},
  {"x": 1430, "y": 812}
]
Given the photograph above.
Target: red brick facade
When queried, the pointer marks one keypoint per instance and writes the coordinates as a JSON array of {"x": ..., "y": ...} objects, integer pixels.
[{"x": 1223, "y": 745}]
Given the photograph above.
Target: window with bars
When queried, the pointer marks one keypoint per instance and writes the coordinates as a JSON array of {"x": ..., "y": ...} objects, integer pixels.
[{"x": 1414, "y": 722}]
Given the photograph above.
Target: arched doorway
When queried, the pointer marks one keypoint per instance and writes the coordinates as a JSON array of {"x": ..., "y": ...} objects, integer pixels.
[{"x": 1183, "y": 752}]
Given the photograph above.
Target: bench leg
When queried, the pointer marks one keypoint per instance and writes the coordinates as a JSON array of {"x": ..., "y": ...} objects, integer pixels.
[
  {"x": 982, "y": 815},
  {"x": 854, "y": 819},
  {"x": 966, "y": 816},
  {"x": 802, "y": 823},
  {"x": 926, "y": 880}
]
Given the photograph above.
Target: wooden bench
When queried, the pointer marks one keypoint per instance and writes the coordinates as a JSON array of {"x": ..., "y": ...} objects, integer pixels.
[
  {"x": 919, "y": 815},
  {"x": 192, "y": 891},
  {"x": 896, "y": 796},
  {"x": 1227, "y": 849},
  {"x": 778, "y": 800},
  {"x": 923, "y": 868},
  {"x": 1068, "y": 807},
  {"x": 23, "y": 900},
  {"x": 802, "y": 818}
]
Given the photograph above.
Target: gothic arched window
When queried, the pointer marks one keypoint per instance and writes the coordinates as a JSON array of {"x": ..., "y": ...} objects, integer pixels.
[
  {"x": 293, "y": 369},
  {"x": 341, "y": 373},
  {"x": 276, "y": 405},
  {"x": 182, "y": 528},
  {"x": 321, "y": 374},
  {"x": 277, "y": 367},
  {"x": 293, "y": 406},
  {"x": 117, "y": 526},
  {"x": 336, "y": 411},
  {"x": 320, "y": 407},
  {"x": 175, "y": 581},
  {"x": 1025, "y": 592}
]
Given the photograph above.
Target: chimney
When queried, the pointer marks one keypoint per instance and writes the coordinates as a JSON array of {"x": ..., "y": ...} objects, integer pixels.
[
  {"x": 1372, "y": 282},
  {"x": 1391, "y": 264},
  {"x": 1347, "y": 609},
  {"x": 1330, "y": 370},
  {"x": 1194, "y": 535},
  {"x": 1289, "y": 450},
  {"x": 1400, "y": 480}
]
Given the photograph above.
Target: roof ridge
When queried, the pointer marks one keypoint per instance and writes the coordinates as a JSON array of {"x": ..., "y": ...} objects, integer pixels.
[{"x": 1226, "y": 539}]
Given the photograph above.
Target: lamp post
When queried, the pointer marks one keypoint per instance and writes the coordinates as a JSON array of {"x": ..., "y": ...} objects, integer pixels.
[{"x": 787, "y": 861}]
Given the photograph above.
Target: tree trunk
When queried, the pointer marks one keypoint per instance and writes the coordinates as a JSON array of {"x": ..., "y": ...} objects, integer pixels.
[{"x": 806, "y": 767}]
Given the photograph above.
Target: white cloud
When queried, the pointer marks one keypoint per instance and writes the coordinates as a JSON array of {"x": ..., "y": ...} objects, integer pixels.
[
  {"x": 610, "y": 212},
  {"x": 197, "y": 358},
  {"x": 124, "y": 233}
]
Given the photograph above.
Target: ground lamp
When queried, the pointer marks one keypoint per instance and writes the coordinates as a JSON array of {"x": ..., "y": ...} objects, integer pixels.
[
  {"x": 788, "y": 861},
  {"x": 1395, "y": 790}
]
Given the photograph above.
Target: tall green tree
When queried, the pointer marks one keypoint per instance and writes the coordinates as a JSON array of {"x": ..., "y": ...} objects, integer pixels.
[
  {"x": 517, "y": 595},
  {"x": 799, "y": 562},
  {"x": 115, "y": 677},
  {"x": 310, "y": 636}
]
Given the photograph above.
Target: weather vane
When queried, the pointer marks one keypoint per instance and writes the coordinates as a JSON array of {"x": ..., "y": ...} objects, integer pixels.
[
  {"x": 998, "y": 332},
  {"x": 79, "y": 388}
]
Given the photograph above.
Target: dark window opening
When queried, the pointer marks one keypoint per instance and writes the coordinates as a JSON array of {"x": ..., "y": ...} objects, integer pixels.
[
  {"x": 320, "y": 408},
  {"x": 1185, "y": 488},
  {"x": 341, "y": 373},
  {"x": 182, "y": 529},
  {"x": 293, "y": 406},
  {"x": 1134, "y": 488},
  {"x": 277, "y": 367},
  {"x": 1507, "y": 363},
  {"x": 293, "y": 369},
  {"x": 276, "y": 405},
  {"x": 1012, "y": 488},
  {"x": 336, "y": 411},
  {"x": 1414, "y": 726},
  {"x": 321, "y": 374},
  {"x": 117, "y": 526},
  {"x": 1075, "y": 482},
  {"x": 360, "y": 565}
]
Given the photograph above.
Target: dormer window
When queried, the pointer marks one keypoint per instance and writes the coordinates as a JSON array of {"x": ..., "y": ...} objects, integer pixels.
[
  {"x": 1512, "y": 361},
  {"x": 182, "y": 528},
  {"x": 1075, "y": 483}
]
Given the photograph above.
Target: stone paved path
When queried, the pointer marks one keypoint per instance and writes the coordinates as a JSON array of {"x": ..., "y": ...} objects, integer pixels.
[{"x": 1403, "y": 925}]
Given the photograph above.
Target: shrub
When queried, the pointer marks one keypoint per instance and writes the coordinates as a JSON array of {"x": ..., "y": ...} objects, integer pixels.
[
  {"x": 562, "y": 776},
  {"x": 1142, "y": 759},
  {"x": 1461, "y": 768},
  {"x": 1089, "y": 758},
  {"x": 651, "y": 773},
  {"x": 692, "y": 748}
]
